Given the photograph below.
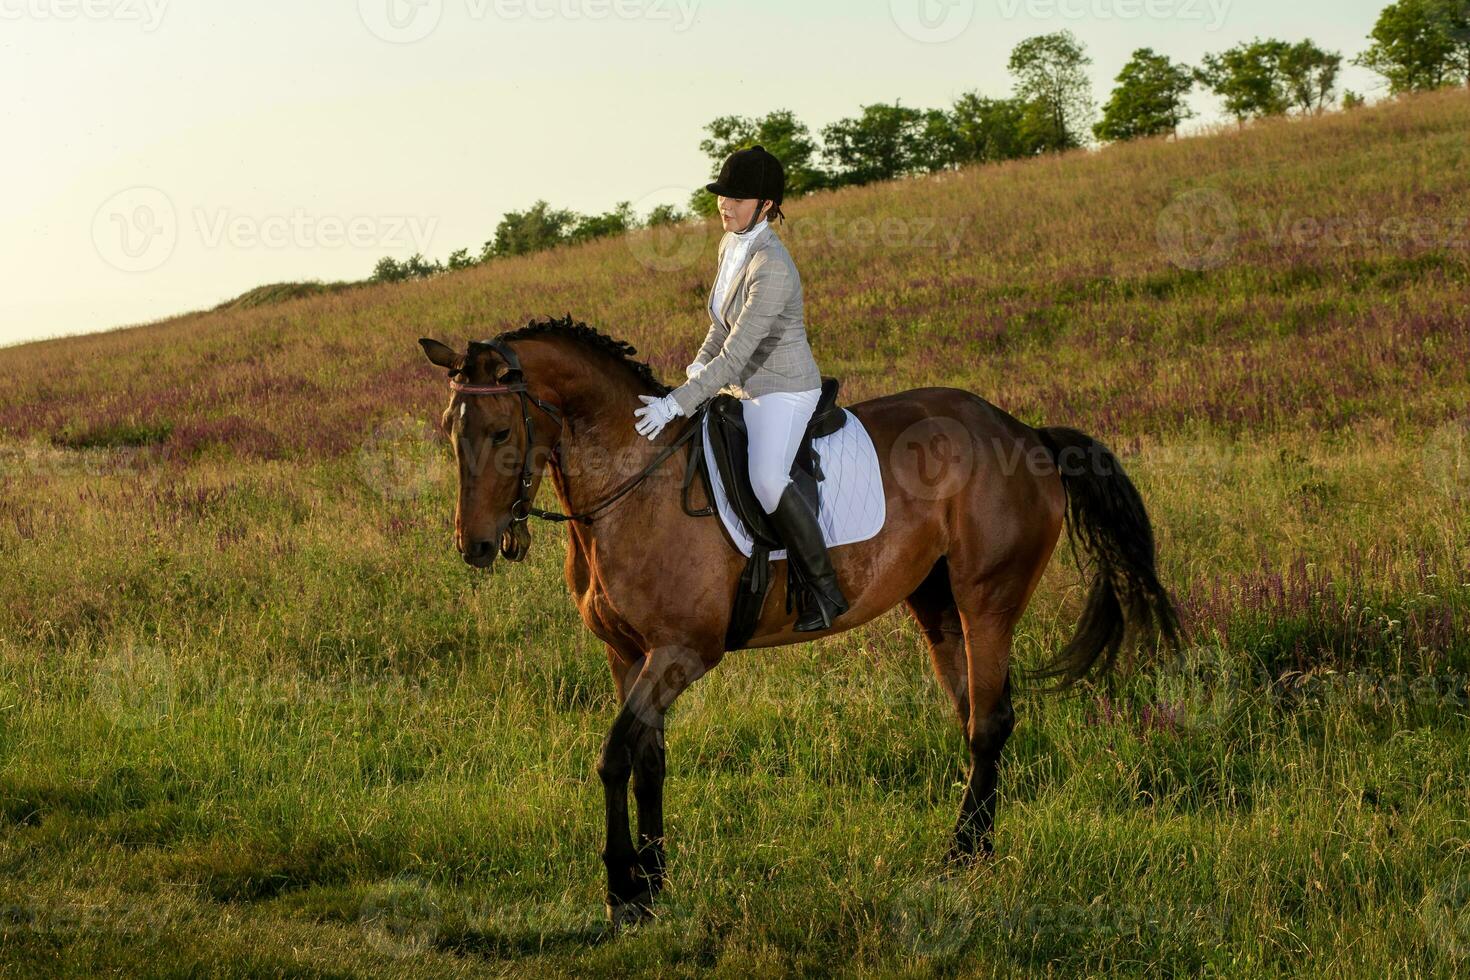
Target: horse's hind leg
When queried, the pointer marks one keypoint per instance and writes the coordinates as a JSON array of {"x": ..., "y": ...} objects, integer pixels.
[
  {"x": 988, "y": 637},
  {"x": 993, "y": 571},
  {"x": 971, "y": 657},
  {"x": 933, "y": 607}
]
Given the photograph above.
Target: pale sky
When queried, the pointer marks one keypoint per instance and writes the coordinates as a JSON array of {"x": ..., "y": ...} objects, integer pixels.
[{"x": 162, "y": 156}]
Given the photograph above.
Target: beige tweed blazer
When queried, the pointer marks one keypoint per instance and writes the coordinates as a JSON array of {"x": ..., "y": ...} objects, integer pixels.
[{"x": 765, "y": 347}]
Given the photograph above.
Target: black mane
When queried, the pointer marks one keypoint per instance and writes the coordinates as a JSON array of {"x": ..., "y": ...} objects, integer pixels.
[{"x": 579, "y": 331}]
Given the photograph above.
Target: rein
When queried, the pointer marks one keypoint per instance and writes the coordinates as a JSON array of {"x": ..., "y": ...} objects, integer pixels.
[{"x": 521, "y": 509}]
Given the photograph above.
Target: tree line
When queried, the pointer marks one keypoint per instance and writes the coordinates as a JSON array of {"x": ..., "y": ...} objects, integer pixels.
[{"x": 1417, "y": 45}]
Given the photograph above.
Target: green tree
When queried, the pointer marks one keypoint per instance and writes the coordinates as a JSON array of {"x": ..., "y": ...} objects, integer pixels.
[
  {"x": 938, "y": 146},
  {"x": 460, "y": 259},
  {"x": 886, "y": 141},
  {"x": 664, "y": 214},
  {"x": 1149, "y": 99},
  {"x": 1420, "y": 44},
  {"x": 986, "y": 129},
  {"x": 1050, "y": 73},
  {"x": 388, "y": 270},
  {"x": 1310, "y": 75},
  {"x": 1248, "y": 78},
  {"x": 414, "y": 267},
  {"x": 521, "y": 232},
  {"x": 418, "y": 267},
  {"x": 702, "y": 203},
  {"x": 614, "y": 222}
]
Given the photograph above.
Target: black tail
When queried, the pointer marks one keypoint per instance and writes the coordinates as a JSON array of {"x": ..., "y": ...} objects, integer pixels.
[{"x": 1106, "y": 520}]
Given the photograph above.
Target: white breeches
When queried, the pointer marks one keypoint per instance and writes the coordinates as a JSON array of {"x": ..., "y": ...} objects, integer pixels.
[{"x": 774, "y": 424}]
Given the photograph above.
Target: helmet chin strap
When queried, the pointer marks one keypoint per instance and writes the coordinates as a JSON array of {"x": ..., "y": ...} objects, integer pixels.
[{"x": 754, "y": 218}]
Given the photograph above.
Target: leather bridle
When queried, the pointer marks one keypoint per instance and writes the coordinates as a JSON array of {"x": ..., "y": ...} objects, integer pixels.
[{"x": 521, "y": 508}]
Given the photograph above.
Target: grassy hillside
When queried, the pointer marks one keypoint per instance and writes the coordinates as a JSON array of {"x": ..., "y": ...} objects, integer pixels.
[{"x": 259, "y": 718}]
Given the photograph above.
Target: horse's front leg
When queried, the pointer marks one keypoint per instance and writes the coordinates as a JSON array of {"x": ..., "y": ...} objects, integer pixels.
[
  {"x": 614, "y": 764},
  {"x": 648, "y": 791},
  {"x": 627, "y": 900},
  {"x": 634, "y": 747}
]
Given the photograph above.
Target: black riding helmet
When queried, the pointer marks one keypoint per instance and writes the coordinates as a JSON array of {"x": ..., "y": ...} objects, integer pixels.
[{"x": 752, "y": 173}]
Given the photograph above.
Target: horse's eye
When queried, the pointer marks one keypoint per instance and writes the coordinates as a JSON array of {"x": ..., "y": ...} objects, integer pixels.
[{"x": 500, "y": 437}]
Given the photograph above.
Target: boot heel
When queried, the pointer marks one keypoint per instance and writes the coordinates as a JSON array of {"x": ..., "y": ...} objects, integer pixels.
[{"x": 807, "y": 553}]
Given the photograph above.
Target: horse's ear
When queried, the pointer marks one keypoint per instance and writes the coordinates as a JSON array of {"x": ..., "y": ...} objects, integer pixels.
[{"x": 438, "y": 353}]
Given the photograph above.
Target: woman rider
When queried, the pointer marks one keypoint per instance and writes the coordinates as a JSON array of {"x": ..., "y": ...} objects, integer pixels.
[{"x": 757, "y": 348}]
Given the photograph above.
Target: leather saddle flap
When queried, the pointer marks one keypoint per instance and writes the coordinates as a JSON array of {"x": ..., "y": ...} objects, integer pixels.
[
  {"x": 729, "y": 445},
  {"x": 729, "y": 442}
]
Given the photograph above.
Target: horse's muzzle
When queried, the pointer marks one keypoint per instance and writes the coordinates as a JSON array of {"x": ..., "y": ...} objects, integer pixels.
[{"x": 479, "y": 554}]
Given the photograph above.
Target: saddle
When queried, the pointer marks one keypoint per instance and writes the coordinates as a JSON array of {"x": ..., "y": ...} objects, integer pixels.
[{"x": 728, "y": 444}]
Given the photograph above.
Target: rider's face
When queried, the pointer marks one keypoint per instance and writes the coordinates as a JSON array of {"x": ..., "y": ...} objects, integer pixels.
[{"x": 736, "y": 212}]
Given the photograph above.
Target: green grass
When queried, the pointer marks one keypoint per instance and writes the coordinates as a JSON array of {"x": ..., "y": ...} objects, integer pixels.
[
  {"x": 329, "y": 748},
  {"x": 256, "y": 717}
]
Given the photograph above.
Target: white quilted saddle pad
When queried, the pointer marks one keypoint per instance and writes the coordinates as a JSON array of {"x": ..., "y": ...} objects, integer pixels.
[{"x": 852, "y": 503}]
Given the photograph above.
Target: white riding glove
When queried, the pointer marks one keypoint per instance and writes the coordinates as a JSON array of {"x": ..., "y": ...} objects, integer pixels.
[{"x": 655, "y": 414}]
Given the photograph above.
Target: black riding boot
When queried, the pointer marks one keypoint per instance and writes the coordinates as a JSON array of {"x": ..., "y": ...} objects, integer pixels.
[{"x": 797, "y": 526}]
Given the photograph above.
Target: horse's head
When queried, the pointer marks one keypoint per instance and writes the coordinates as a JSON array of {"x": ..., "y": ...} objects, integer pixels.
[{"x": 493, "y": 450}]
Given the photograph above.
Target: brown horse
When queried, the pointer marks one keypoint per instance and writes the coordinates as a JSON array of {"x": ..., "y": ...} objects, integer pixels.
[{"x": 976, "y": 502}]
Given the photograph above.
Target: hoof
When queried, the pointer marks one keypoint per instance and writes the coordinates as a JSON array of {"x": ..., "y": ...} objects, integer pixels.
[{"x": 630, "y": 914}]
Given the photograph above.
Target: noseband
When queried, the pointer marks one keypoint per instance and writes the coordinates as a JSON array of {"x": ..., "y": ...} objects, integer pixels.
[{"x": 521, "y": 509}]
